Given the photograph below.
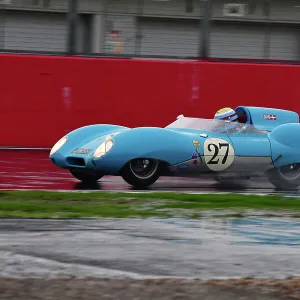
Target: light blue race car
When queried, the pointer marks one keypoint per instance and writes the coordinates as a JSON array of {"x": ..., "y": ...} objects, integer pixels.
[{"x": 264, "y": 142}]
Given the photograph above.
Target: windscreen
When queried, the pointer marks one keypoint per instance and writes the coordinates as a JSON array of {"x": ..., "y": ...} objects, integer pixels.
[
  {"x": 198, "y": 124},
  {"x": 213, "y": 125}
]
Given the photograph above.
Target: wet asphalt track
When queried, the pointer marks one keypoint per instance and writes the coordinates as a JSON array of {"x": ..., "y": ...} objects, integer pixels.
[
  {"x": 137, "y": 248},
  {"x": 32, "y": 170},
  {"x": 206, "y": 248}
]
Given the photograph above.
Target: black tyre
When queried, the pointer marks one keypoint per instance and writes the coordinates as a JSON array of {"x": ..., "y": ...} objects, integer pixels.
[
  {"x": 285, "y": 177},
  {"x": 141, "y": 173},
  {"x": 86, "y": 176}
]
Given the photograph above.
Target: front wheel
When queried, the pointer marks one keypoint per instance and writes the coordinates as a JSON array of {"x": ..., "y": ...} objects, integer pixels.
[
  {"x": 86, "y": 176},
  {"x": 141, "y": 173},
  {"x": 285, "y": 177}
]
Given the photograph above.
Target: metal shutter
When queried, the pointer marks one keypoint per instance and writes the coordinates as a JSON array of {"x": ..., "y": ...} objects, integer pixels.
[{"x": 35, "y": 31}]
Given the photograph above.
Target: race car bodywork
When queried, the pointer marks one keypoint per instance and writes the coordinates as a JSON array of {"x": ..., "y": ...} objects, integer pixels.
[{"x": 263, "y": 143}]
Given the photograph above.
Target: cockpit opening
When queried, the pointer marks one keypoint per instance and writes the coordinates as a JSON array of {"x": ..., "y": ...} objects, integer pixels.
[{"x": 242, "y": 116}]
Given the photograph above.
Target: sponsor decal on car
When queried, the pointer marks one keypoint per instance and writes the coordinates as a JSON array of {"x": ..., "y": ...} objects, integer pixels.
[
  {"x": 82, "y": 151},
  {"x": 196, "y": 143},
  {"x": 184, "y": 166},
  {"x": 270, "y": 117},
  {"x": 194, "y": 156}
]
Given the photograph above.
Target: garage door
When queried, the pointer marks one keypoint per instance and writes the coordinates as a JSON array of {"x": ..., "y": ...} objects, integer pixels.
[
  {"x": 237, "y": 40},
  {"x": 35, "y": 31},
  {"x": 170, "y": 37},
  {"x": 2, "y": 26},
  {"x": 284, "y": 42}
]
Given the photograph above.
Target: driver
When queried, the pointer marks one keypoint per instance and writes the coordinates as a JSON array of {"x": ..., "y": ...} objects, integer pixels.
[
  {"x": 228, "y": 114},
  {"x": 234, "y": 126}
]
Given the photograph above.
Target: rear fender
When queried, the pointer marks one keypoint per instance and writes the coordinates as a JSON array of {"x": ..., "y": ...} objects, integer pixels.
[{"x": 285, "y": 144}]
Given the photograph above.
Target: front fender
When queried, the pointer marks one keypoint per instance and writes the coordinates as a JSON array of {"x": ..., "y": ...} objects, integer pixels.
[
  {"x": 285, "y": 144},
  {"x": 84, "y": 135},
  {"x": 156, "y": 143}
]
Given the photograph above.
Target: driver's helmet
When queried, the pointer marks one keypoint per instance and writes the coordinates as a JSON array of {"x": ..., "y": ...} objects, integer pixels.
[{"x": 228, "y": 114}]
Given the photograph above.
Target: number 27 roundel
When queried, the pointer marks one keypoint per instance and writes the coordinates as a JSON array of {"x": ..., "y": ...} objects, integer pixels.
[{"x": 218, "y": 154}]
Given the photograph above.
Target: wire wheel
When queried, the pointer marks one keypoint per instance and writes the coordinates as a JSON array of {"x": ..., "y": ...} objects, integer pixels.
[
  {"x": 143, "y": 168},
  {"x": 290, "y": 172}
]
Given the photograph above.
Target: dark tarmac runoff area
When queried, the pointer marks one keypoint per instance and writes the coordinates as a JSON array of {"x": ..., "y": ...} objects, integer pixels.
[{"x": 153, "y": 258}]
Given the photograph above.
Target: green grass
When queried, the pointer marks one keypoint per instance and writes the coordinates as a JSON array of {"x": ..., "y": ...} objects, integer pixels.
[{"x": 42, "y": 204}]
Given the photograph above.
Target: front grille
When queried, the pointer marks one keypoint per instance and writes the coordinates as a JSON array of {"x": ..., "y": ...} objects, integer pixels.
[{"x": 76, "y": 161}]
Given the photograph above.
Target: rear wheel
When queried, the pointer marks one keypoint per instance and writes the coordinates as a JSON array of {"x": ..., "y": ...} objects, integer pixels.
[
  {"x": 86, "y": 176},
  {"x": 141, "y": 172},
  {"x": 285, "y": 177}
]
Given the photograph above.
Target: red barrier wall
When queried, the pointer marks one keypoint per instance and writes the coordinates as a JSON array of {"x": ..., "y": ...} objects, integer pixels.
[{"x": 43, "y": 98}]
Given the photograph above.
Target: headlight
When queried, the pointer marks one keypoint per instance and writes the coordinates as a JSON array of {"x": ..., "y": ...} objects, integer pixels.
[
  {"x": 58, "y": 145},
  {"x": 103, "y": 148}
]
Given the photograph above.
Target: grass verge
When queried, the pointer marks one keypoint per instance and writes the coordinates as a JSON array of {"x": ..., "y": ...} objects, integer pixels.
[{"x": 43, "y": 204}]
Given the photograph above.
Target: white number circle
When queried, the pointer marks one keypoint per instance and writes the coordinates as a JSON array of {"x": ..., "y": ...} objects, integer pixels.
[{"x": 218, "y": 154}]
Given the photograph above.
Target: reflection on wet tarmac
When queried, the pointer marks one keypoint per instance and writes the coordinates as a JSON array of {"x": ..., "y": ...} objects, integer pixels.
[
  {"x": 267, "y": 232},
  {"x": 32, "y": 170},
  {"x": 206, "y": 248}
]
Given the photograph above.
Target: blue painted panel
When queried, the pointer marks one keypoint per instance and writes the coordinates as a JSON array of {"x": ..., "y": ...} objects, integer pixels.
[
  {"x": 285, "y": 144},
  {"x": 251, "y": 145},
  {"x": 269, "y": 118}
]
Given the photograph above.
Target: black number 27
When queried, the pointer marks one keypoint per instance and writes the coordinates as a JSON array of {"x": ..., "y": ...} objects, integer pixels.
[{"x": 215, "y": 148}]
